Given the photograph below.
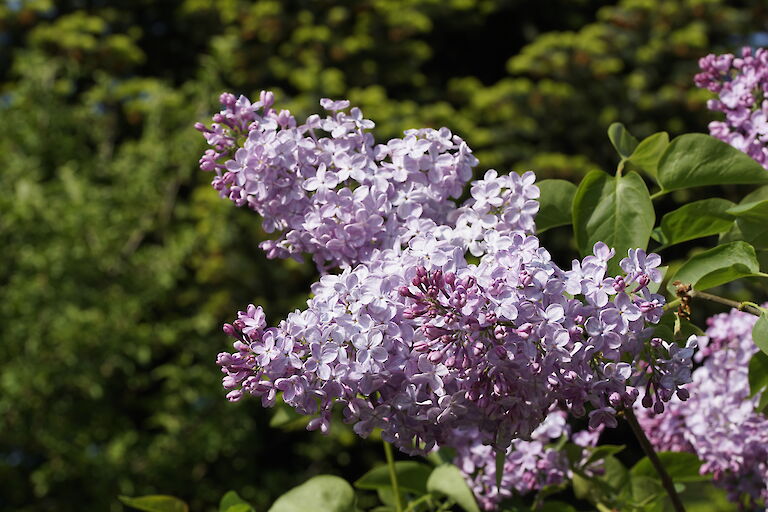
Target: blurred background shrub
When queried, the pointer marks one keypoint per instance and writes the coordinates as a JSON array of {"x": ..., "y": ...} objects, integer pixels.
[{"x": 119, "y": 263}]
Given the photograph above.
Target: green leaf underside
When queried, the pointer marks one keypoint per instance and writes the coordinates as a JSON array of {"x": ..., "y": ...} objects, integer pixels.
[
  {"x": 155, "y": 503},
  {"x": 448, "y": 480},
  {"x": 411, "y": 476},
  {"x": 325, "y": 492},
  {"x": 614, "y": 210},
  {"x": 696, "y": 220},
  {"x": 555, "y": 202},
  {"x": 760, "y": 332},
  {"x": 623, "y": 141},
  {"x": 717, "y": 266},
  {"x": 696, "y": 160}
]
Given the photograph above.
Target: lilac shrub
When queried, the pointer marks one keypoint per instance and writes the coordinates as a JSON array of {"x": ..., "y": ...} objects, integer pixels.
[
  {"x": 719, "y": 423},
  {"x": 741, "y": 84},
  {"x": 409, "y": 336}
]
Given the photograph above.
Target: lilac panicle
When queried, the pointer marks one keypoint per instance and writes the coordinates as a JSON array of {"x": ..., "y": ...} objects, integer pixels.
[
  {"x": 740, "y": 84},
  {"x": 407, "y": 335},
  {"x": 530, "y": 465},
  {"x": 324, "y": 185},
  {"x": 718, "y": 422}
]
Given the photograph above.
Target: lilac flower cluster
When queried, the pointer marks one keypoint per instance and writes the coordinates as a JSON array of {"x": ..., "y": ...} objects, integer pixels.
[
  {"x": 409, "y": 336},
  {"x": 718, "y": 423},
  {"x": 741, "y": 84},
  {"x": 325, "y": 185},
  {"x": 420, "y": 343},
  {"x": 530, "y": 465}
]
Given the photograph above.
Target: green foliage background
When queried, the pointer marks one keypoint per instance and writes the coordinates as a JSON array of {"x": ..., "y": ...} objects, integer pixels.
[{"x": 119, "y": 263}]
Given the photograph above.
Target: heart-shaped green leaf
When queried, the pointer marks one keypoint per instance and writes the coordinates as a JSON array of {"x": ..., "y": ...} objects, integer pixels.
[
  {"x": 156, "y": 503},
  {"x": 614, "y": 210},
  {"x": 325, "y": 492},
  {"x": 695, "y": 220},
  {"x": 719, "y": 265},
  {"x": 555, "y": 201},
  {"x": 760, "y": 332},
  {"x": 411, "y": 477},
  {"x": 647, "y": 154},
  {"x": 697, "y": 160},
  {"x": 448, "y": 480},
  {"x": 623, "y": 141}
]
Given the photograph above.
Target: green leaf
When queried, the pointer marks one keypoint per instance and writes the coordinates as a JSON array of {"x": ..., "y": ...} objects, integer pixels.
[
  {"x": 755, "y": 211},
  {"x": 696, "y": 160},
  {"x": 155, "y": 503},
  {"x": 703, "y": 497},
  {"x": 757, "y": 195},
  {"x": 603, "y": 451},
  {"x": 616, "y": 475},
  {"x": 665, "y": 329},
  {"x": 645, "y": 490},
  {"x": 760, "y": 332},
  {"x": 325, "y": 492},
  {"x": 411, "y": 477},
  {"x": 695, "y": 220},
  {"x": 555, "y": 203},
  {"x": 622, "y": 140},
  {"x": 448, "y": 480},
  {"x": 232, "y": 502},
  {"x": 681, "y": 467},
  {"x": 614, "y": 210},
  {"x": 752, "y": 222},
  {"x": 387, "y": 497},
  {"x": 240, "y": 507},
  {"x": 762, "y": 404},
  {"x": 719, "y": 265},
  {"x": 758, "y": 373},
  {"x": 647, "y": 154}
]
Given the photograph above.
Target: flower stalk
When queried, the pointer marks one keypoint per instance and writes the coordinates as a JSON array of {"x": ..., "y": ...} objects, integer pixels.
[{"x": 393, "y": 476}]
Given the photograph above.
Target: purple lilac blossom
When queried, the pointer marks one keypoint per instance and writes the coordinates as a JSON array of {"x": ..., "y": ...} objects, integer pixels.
[
  {"x": 325, "y": 186},
  {"x": 718, "y": 422},
  {"x": 419, "y": 343},
  {"x": 530, "y": 465},
  {"x": 740, "y": 83},
  {"x": 409, "y": 337}
]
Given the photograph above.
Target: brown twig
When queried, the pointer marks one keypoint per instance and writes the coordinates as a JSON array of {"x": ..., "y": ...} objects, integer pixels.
[
  {"x": 685, "y": 293},
  {"x": 666, "y": 480}
]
